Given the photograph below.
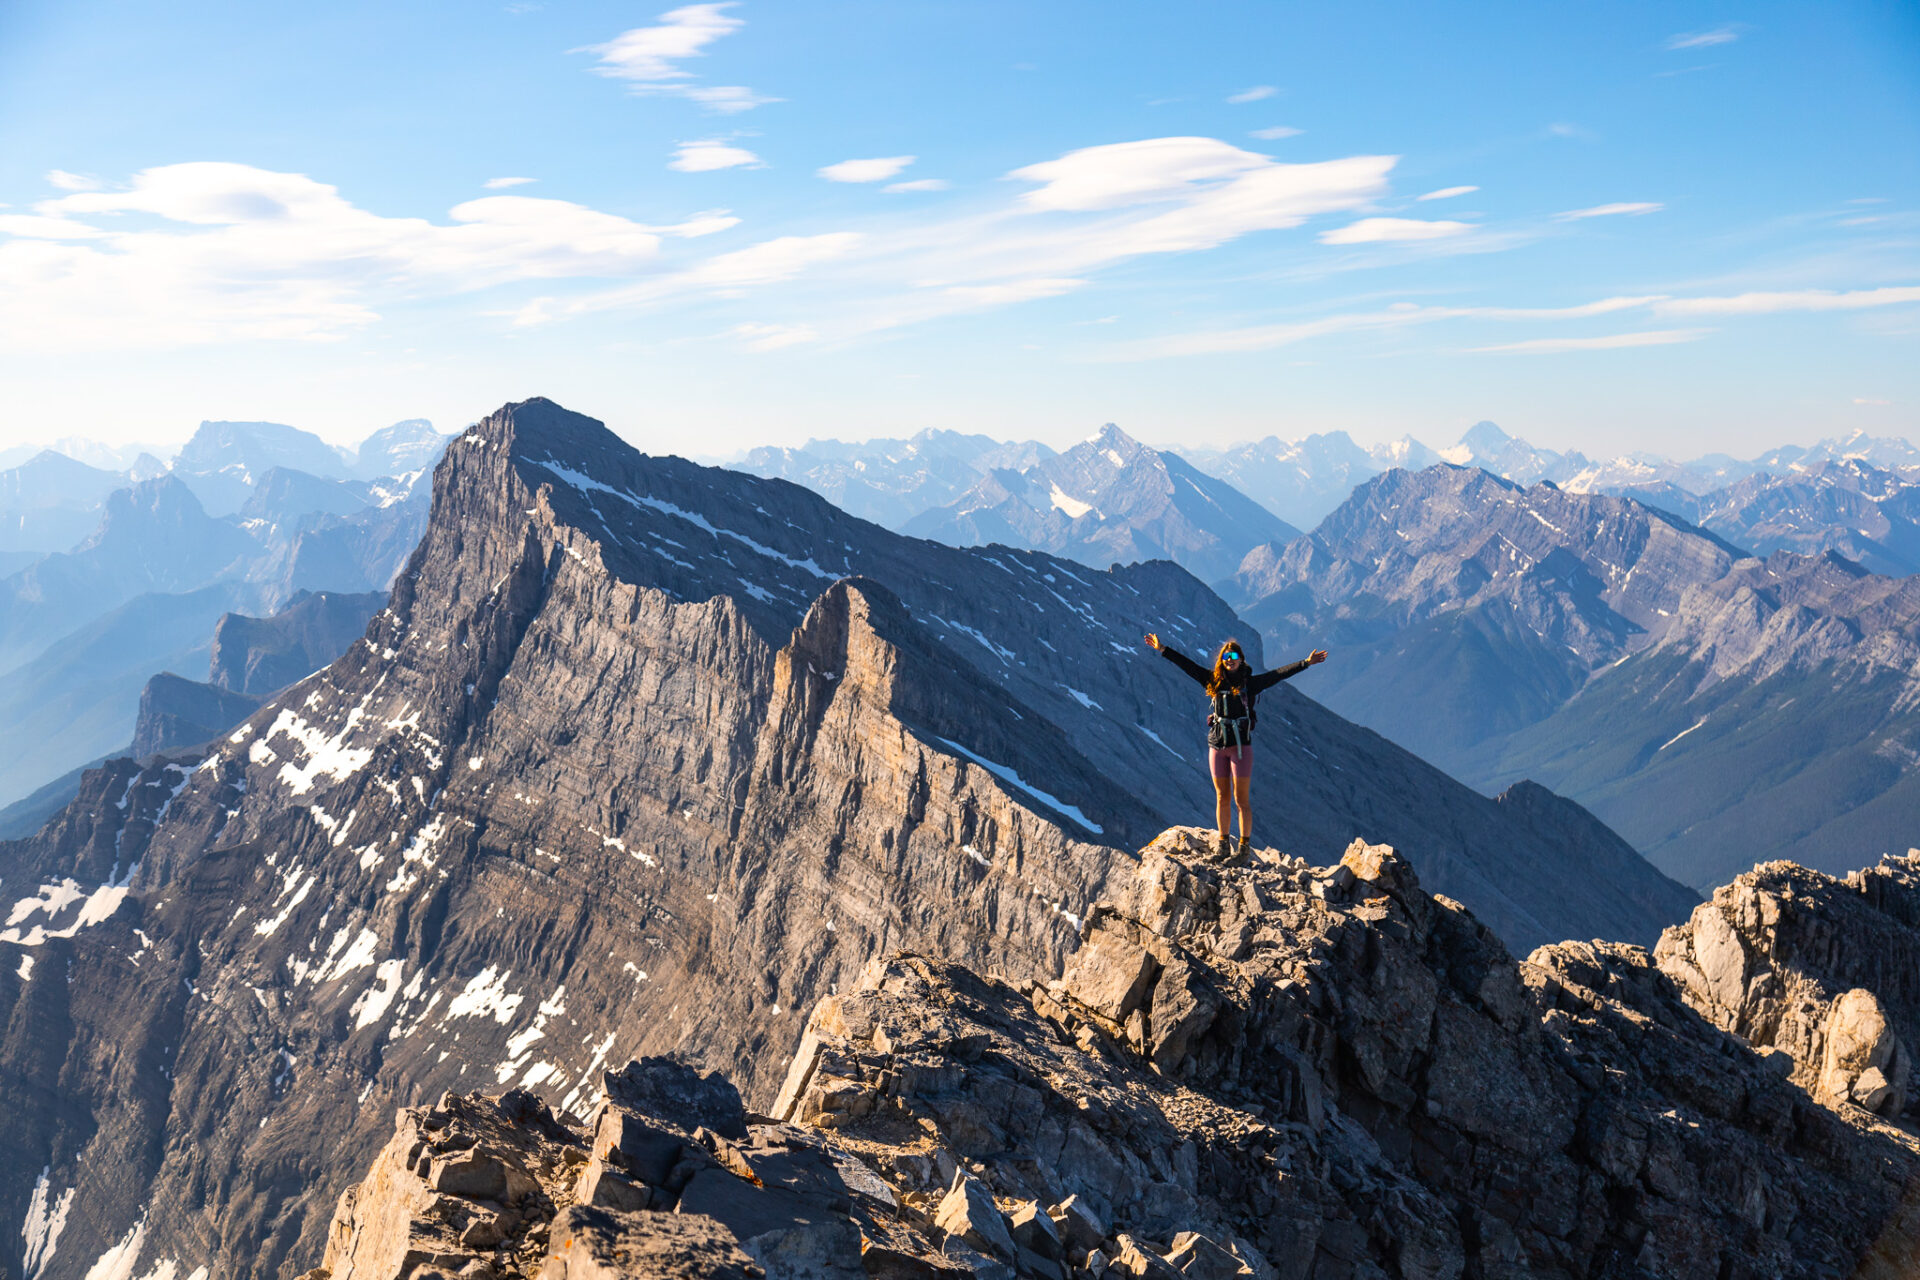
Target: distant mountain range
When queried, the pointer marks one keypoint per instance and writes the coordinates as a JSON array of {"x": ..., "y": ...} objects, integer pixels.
[
  {"x": 971, "y": 488},
  {"x": 108, "y": 578},
  {"x": 1108, "y": 500},
  {"x": 1621, "y": 655}
]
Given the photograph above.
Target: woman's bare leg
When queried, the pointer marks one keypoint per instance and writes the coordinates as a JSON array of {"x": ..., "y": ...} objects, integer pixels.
[
  {"x": 1222, "y": 793},
  {"x": 1241, "y": 784}
]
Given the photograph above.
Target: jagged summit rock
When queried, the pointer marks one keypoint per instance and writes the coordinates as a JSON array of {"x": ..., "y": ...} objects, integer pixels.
[
  {"x": 1268, "y": 1071},
  {"x": 640, "y": 758},
  {"x": 1821, "y": 971}
]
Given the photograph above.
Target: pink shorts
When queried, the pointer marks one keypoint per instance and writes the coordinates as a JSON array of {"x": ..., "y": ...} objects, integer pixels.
[{"x": 1231, "y": 762}]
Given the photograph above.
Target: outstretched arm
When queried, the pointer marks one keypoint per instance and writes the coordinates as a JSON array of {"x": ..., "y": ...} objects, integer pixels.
[
  {"x": 1178, "y": 659},
  {"x": 1269, "y": 679}
]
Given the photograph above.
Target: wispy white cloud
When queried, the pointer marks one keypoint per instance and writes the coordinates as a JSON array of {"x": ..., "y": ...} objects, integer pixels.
[
  {"x": 1258, "y": 93},
  {"x": 1273, "y": 133},
  {"x": 72, "y": 181},
  {"x": 999, "y": 295},
  {"x": 497, "y": 184},
  {"x": 726, "y": 98},
  {"x": 1611, "y": 210},
  {"x": 919, "y": 184},
  {"x": 1701, "y": 39},
  {"x": 654, "y": 54},
  {"x": 1753, "y": 304},
  {"x": 1384, "y": 230},
  {"x": 771, "y": 337},
  {"x": 649, "y": 57},
  {"x": 1867, "y": 401},
  {"x": 1609, "y": 342},
  {"x": 875, "y": 170},
  {"x": 730, "y": 274},
  {"x": 710, "y": 154},
  {"x": 1447, "y": 193},
  {"x": 1397, "y": 316},
  {"x": 241, "y": 254},
  {"x": 1086, "y": 211}
]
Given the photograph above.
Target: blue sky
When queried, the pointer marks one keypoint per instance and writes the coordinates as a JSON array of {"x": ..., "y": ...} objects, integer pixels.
[{"x": 1664, "y": 226}]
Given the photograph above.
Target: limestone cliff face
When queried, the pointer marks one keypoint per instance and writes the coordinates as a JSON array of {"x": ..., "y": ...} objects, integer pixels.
[
  {"x": 1821, "y": 973},
  {"x": 1264, "y": 1071},
  {"x": 641, "y": 757}
]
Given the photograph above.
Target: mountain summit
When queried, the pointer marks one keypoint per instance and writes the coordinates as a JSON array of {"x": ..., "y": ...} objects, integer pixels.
[{"x": 641, "y": 757}]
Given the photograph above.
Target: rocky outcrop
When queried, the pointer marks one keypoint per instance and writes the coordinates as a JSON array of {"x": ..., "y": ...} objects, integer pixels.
[
  {"x": 1266, "y": 1070},
  {"x": 1821, "y": 974}
]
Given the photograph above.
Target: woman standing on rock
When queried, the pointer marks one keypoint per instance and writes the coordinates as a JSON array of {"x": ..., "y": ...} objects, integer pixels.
[{"x": 1232, "y": 688}]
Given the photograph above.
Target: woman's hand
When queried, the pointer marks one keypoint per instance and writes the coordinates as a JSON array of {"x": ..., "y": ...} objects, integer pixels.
[
  {"x": 1318, "y": 655},
  {"x": 1153, "y": 641}
]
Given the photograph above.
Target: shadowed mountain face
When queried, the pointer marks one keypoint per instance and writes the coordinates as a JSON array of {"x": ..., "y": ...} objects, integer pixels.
[
  {"x": 640, "y": 757},
  {"x": 1110, "y": 500}
]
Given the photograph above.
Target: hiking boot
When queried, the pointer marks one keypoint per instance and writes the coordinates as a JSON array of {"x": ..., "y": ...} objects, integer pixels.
[
  {"x": 1223, "y": 844},
  {"x": 1245, "y": 847}
]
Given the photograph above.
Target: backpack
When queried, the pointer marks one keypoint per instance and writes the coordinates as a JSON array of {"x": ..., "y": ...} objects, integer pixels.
[{"x": 1225, "y": 731}]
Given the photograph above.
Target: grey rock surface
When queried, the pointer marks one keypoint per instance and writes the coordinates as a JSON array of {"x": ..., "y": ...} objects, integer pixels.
[
  {"x": 1378, "y": 1089},
  {"x": 1823, "y": 970}
]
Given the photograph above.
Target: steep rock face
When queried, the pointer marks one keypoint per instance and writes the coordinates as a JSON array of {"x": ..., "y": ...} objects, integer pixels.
[
  {"x": 1266, "y": 1070},
  {"x": 1110, "y": 500},
  {"x": 177, "y": 712},
  {"x": 264, "y": 655},
  {"x": 641, "y": 756},
  {"x": 1822, "y": 972}
]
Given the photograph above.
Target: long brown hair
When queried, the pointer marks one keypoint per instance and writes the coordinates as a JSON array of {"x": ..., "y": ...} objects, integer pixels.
[{"x": 1220, "y": 678}]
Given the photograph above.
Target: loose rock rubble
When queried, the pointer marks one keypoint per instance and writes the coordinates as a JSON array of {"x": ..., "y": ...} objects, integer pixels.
[
  {"x": 1821, "y": 974},
  {"x": 1264, "y": 1070}
]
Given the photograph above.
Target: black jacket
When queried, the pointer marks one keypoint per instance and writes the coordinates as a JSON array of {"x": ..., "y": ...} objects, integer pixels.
[{"x": 1232, "y": 716}]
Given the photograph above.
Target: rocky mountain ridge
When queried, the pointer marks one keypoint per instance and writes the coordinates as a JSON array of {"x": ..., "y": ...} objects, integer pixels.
[
  {"x": 1109, "y": 500},
  {"x": 641, "y": 756},
  {"x": 1264, "y": 1071},
  {"x": 1632, "y": 661}
]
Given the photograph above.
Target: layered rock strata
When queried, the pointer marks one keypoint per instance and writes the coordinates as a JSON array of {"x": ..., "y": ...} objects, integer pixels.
[
  {"x": 1266, "y": 1070},
  {"x": 1821, "y": 973}
]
